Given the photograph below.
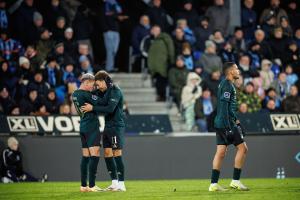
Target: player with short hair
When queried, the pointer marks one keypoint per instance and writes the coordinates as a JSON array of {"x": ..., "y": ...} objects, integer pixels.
[
  {"x": 89, "y": 133},
  {"x": 228, "y": 130},
  {"x": 113, "y": 135}
]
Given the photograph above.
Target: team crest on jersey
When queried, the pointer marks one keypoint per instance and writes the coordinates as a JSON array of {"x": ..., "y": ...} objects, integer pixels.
[
  {"x": 94, "y": 97},
  {"x": 226, "y": 95}
]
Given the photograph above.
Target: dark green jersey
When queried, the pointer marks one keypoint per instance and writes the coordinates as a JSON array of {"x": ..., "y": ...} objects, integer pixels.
[
  {"x": 226, "y": 106},
  {"x": 89, "y": 121},
  {"x": 113, "y": 110}
]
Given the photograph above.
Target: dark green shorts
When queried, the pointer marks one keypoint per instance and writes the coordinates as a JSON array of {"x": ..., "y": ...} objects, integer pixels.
[
  {"x": 113, "y": 138},
  {"x": 222, "y": 139},
  {"x": 90, "y": 139}
]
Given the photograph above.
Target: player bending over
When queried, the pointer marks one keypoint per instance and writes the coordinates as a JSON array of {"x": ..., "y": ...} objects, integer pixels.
[
  {"x": 113, "y": 135},
  {"x": 228, "y": 130}
]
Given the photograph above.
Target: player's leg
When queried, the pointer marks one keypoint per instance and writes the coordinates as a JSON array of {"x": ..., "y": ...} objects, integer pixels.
[
  {"x": 120, "y": 168},
  {"x": 84, "y": 163},
  {"x": 110, "y": 165},
  {"x": 238, "y": 164}
]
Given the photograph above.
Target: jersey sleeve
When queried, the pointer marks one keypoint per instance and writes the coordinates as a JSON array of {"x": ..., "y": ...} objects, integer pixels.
[
  {"x": 113, "y": 100},
  {"x": 96, "y": 100},
  {"x": 226, "y": 93}
]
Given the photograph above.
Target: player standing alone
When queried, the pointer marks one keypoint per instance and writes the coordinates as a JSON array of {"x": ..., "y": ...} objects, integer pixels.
[{"x": 228, "y": 130}]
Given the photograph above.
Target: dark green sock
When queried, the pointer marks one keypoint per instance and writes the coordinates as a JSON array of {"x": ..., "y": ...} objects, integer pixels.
[
  {"x": 93, "y": 170},
  {"x": 84, "y": 170},
  {"x": 111, "y": 167},
  {"x": 237, "y": 173},
  {"x": 215, "y": 176},
  {"x": 120, "y": 167}
]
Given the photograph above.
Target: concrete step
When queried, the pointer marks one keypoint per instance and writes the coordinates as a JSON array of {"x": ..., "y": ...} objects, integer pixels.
[
  {"x": 148, "y": 108},
  {"x": 133, "y": 83},
  {"x": 116, "y": 76},
  {"x": 147, "y": 98}
]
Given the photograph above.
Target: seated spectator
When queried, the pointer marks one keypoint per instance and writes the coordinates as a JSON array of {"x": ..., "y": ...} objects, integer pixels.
[
  {"x": 42, "y": 111},
  {"x": 271, "y": 94},
  {"x": 226, "y": 53},
  {"x": 273, "y": 10},
  {"x": 139, "y": 32},
  {"x": 15, "y": 110},
  {"x": 238, "y": 41},
  {"x": 83, "y": 50},
  {"x": 245, "y": 67},
  {"x": 281, "y": 86},
  {"x": 249, "y": 97},
  {"x": 8, "y": 78},
  {"x": 52, "y": 73},
  {"x": 85, "y": 65},
  {"x": 243, "y": 108},
  {"x": 158, "y": 15},
  {"x": 266, "y": 74},
  {"x": 218, "y": 39},
  {"x": 218, "y": 15},
  {"x": 54, "y": 11},
  {"x": 293, "y": 13},
  {"x": 291, "y": 103},
  {"x": 202, "y": 33},
  {"x": 39, "y": 85},
  {"x": 59, "y": 54},
  {"x": 270, "y": 107},
  {"x": 70, "y": 44},
  {"x": 45, "y": 44},
  {"x": 70, "y": 79},
  {"x": 51, "y": 103},
  {"x": 269, "y": 26},
  {"x": 179, "y": 40},
  {"x": 187, "y": 56},
  {"x": 248, "y": 19},
  {"x": 291, "y": 77},
  {"x": 204, "y": 107},
  {"x": 65, "y": 109},
  {"x": 38, "y": 22},
  {"x": 10, "y": 49},
  {"x": 34, "y": 57},
  {"x": 278, "y": 44},
  {"x": 24, "y": 73},
  {"x": 188, "y": 33},
  {"x": 6, "y": 102},
  {"x": 188, "y": 13},
  {"x": 239, "y": 86},
  {"x": 190, "y": 93},
  {"x": 212, "y": 82},
  {"x": 12, "y": 169},
  {"x": 30, "y": 103},
  {"x": 292, "y": 56},
  {"x": 210, "y": 60},
  {"x": 286, "y": 28},
  {"x": 177, "y": 79},
  {"x": 4, "y": 20},
  {"x": 160, "y": 56},
  {"x": 59, "y": 30}
]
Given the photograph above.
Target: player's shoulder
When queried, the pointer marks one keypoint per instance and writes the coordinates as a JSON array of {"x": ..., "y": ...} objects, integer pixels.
[
  {"x": 116, "y": 89},
  {"x": 226, "y": 85}
]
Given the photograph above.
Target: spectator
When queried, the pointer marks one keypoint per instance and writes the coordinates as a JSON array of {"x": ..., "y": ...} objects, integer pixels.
[
  {"x": 202, "y": 33},
  {"x": 83, "y": 50},
  {"x": 52, "y": 73},
  {"x": 15, "y": 110},
  {"x": 294, "y": 15},
  {"x": 248, "y": 19},
  {"x": 204, "y": 107},
  {"x": 42, "y": 111},
  {"x": 85, "y": 65},
  {"x": 291, "y": 77},
  {"x": 188, "y": 13},
  {"x": 271, "y": 94},
  {"x": 24, "y": 73},
  {"x": 266, "y": 74},
  {"x": 34, "y": 57},
  {"x": 39, "y": 85},
  {"x": 38, "y": 22},
  {"x": 65, "y": 109},
  {"x": 45, "y": 44},
  {"x": 24, "y": 21},
  {"x": 273, "y": 10},
  {"x": 158, "y": 15},
  {"x": 160, "y": 56},
  {"x": 286, "y": 28},
  {"x": 218, "y": 39},
  {"x": 270, "y": 107},
  {"x": 249, "y": 97},
  {"x": 30, "y": 103},
  {"x": 292, "y": 56},
  {"x": 112, "y": 17},
  {"x": 6, "y": 101},
  {"x": 297, "y": 37},
  {"x": 59, "y": 54},
  {"x": 59, "y": 29},
  {"x": 179, "y": 40},
  {"x": 8, "y": 77},
  {"x": 291, "y": 103},
  {"x": 54, "y": 12},
  {"x": 188, "y": 33},
  {"x": 83, "y": 28},
  {"x": 70, "y": 45},
  {"x": 187, "y": 56},
  {"x": 4, "y": 20},
  {"x": 12, "y": 170},
  {"x": 51, "y": 102},
  {"x": 212, "y": 82},
  {"x": 281, "y": 86},
  {"x": 268, "y": 26},
  {"x": 10, "y": 49},
  {"x": 243, "y": 108},
  {"x": 226, "y": 53},
  {"x": 177, "y": 79},
  {"x": 238, "y": 42},
  {"x": 190, "y": 93},
  {"x": 218, "y": 16},
  {"x": 210, "y": 60},
  {"x": 139, "y": 32},
  {"x": 245, "y": 67},
  {"x": 69, "y": 78}
]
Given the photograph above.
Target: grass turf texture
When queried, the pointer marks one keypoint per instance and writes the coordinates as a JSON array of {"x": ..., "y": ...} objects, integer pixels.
[{"x": 286, "y": 189}]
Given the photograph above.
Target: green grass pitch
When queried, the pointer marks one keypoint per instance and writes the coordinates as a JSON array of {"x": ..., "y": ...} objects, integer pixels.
[{"x": 286, "y": 189}]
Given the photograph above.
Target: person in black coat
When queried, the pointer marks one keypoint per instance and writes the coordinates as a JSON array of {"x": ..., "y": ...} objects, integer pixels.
[
  {"x": 52, "y": 73},
  {"x": 59, "y": 54},
  {"x": 59, "y": 29},
  {"x": 158, "y": 16},
  {"x": 202, "y": 33},
  {"x": 188, "y": 13},
  {"x": 39, "y": 85},
  {"x": 260, "y": 46},
  {"x": 30, "y": 103},
  {"x": 6, "y": 102},
  {"x": 179, "y": 40},
  {"x": 51, "y": 102},
  {"x": 139, "y": 32},
  {"x": 54, "y": 11},
  {"x": 70, "y": 45},
  {"x": 212, "y": 82}
]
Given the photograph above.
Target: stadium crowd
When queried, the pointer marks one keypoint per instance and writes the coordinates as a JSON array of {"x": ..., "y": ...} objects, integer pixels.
[{"x": 43, "y": 55}]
